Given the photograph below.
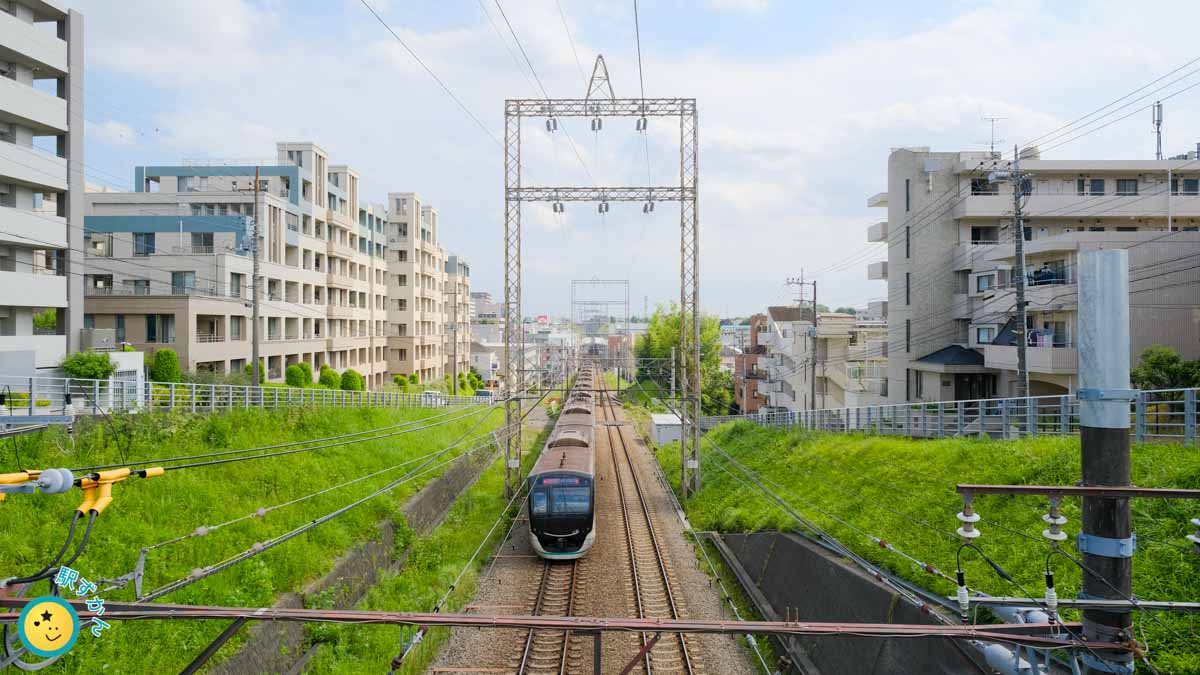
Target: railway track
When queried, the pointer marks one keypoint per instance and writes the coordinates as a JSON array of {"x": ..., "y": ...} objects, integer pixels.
[
  {"x": 549, "y": 651},
  {"x": 651, "y": 576}
]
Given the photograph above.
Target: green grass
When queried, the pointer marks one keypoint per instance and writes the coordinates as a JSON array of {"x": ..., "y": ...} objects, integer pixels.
[
  {"x": 432, "y": 565},
  {"x": 148, "y": 511},
  {"x": 885, "y": 485}
]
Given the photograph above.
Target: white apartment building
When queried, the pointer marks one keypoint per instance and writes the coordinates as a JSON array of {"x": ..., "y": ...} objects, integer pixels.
[
  {"x": 41, "y": 178},
  {"x": 842, "y": 362},
  {"x": 951, "y": 264},
  {"x": 170, "y": 265},
  {"x": 416, "y": 282},
  {"x": 458, "y": 315}
]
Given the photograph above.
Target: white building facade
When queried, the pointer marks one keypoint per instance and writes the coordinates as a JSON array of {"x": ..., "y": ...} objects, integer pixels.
[{"x": 41, "y": 178}]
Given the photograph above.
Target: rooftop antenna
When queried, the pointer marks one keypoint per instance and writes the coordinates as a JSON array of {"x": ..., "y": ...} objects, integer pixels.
[
  {"x": 992, "y": 120},
  {"x": 1156, "y": 115}
]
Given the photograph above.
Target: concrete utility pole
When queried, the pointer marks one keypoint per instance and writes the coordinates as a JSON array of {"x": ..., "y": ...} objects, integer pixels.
[
  {"x": 1018, "y": 183},
  {"x": 1106, "y": 542},
  {"x": 454, "y": 338},
  {"x": 672, "y": 373},
  {"x": 813, "y": 380},
  {"x": 254, "y": 286}
]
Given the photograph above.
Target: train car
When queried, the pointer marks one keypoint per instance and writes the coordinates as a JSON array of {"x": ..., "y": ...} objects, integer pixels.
[{"x": 562, "y": 495}]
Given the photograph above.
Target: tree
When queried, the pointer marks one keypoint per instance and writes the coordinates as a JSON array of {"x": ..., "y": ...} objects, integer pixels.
[
  {"x": 308, "y": 373},
  {"x": 166, "y": 367},
  {"x": 414, "y": 379},
  {"x": 351, "y": 380},
  {"x": 89, "y": 365},
  {"x": 294, "y": 376},
  {"x": 1163, "y": 368},
  {"x": 330, "y": 378},
  {"x": 401, "y": 381},
  {"x": 662, "y": 333},
  {"x": 46, "y": 321},
  {"x": 846, "y": 310}
]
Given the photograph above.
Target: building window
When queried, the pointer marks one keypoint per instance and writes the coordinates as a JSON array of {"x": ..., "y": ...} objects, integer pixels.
[
  {"x": 402, "y": 255},
  {"x": 908, "y": 335},
  {"x": 907, "y": 241},
  {"x": 143, "y": 243},
  {"x": 982, "y": 186},
  {"x": 120, "y": 328},
  {"x": 1081, "y": 186},
  {"x": 1191, "y": 186},
  {"x": 985, "y": 334},
  {"x": 907, "y": 195},
  {"x": 401, "y": 279},
  {"x": 918, "y": 384},
  {"x": 89, "y": 321},
  {"x": 908, "y": 288},
  {"x": 235, "y": 328},
  {"x": 1127, "y": 187},
  {"x": 183, "y": 283},
  {"x": 984, "y": 283},
  {"x": 1096, "y": 187}
]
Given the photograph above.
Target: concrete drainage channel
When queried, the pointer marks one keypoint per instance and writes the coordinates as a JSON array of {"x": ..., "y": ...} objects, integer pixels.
[
  {"x": 279, "y": 647},
  {"x": 785, "y": 575}
]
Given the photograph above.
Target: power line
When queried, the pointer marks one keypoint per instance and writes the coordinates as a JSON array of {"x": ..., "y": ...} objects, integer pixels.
[{"x": 566, "y": 27}]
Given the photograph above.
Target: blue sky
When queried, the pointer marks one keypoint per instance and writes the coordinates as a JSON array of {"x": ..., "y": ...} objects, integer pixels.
[{"x": 799, "y": 104}]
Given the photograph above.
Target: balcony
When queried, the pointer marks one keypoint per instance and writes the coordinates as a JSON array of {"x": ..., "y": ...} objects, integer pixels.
[
  {"x": 340, "y": 250},
  {"x": 29, "y": 289},
  {"x": 208, "y": 338},
  {"x": 343, "y": 342},
  {"x": 877, "y": 271},
  {"x": 878, "y": 232},
  {"x": 340, "y": 311},
  {"x": 879, "y": 199},
  {"x": 43, "y": 112},
  {"x": 31, "y": 166},
  {"x": 23, "y": 227},
  {"x": 1149, "y": 202},
  {"x": 1046, "y": 360},
  {"x": 31, "y": 46},
  {"x": 338, "y": 281}
]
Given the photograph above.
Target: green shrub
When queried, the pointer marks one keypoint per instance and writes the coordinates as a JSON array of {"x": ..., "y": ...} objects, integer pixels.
[
  {"x": 330, "y": 378},
  {"x": 127, "y": 348},
  {"x": 20, "y": 399},
  {"x": 47, "y": 320},
  {"x": 351, "y": 380},
  {"x": 414, "y": 379},
  {"x": 294, "y": 376},
  {"x": 308, "y": 372},
  {"x": 89, "y": 365},
  {"x": 166, "y": 367},
  {"x": 401, "y": 382},
  {"x": 249, "y": 371}
]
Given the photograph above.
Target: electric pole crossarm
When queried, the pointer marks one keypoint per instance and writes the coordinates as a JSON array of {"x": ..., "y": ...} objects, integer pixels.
[
  {"x": 616, "y": 107},
  {"x": 600, "y": 194}
]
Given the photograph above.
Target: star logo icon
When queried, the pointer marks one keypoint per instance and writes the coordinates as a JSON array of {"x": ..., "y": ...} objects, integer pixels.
[{"x": 46, "y": 616}]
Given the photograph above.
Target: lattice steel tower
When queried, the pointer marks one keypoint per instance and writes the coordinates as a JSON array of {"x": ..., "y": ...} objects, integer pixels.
[{"x": 598, "y": 104}]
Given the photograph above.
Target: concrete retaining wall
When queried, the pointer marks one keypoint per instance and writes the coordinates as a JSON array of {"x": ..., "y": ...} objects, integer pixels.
[
  {"x": 279, "y": 647},
  {"x": 785, "y": 574}
]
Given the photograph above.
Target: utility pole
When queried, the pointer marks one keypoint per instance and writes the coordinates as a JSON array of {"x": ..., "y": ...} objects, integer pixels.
[
  {"x": 813, "y": 380},
  {"x": 1106, "y": 542},
  {"x": 1018, "y": 183},
  {"x": 672, "y": 373},
  {"x": 1157, "y": 119},
  {"x": 254, "y": 286},
  {"x": 454, "y": 338}
]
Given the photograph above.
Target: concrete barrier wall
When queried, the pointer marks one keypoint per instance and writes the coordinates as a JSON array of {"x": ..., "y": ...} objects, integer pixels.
[{"x": 786, "y": 575}]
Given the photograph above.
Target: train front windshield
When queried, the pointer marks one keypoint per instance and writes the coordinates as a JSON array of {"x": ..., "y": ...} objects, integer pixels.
[{"x": 560, "y": 510}]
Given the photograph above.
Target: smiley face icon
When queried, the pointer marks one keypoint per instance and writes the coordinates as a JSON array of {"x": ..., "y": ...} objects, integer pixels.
[{"x": 48, "y": 626}]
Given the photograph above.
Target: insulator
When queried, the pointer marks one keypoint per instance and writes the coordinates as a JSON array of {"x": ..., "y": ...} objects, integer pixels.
[
  {"x": 1051, "y": 596},
  {"x": 964, "y": 598},
  {"x": 551, "y": 124},
  {"x": 1055, "y": 520},
  {"x": 597, "y": 124},
  {"x": 968, "y": 518},
  {"x": 641, "y": 124}
]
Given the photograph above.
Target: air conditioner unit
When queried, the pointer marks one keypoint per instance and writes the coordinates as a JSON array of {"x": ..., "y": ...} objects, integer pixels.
[{"x": 98, "y": 339}]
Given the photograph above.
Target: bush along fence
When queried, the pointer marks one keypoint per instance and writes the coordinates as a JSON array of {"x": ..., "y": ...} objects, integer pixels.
[
  {"x": 29, "y": 399},
  {"x": 1158, "y": 415}
]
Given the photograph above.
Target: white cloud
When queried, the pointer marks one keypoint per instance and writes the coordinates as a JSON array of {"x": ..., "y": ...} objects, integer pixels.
[
  {"x": 111, "y": 132},
  {"x": 791, "y": 144},
  {"x": 750, "y": 6}
]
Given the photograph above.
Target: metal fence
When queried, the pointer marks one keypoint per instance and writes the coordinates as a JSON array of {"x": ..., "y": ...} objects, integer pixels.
[
  {"x": 29, "y": 398},
  {"x": 1159, "y": 415}
]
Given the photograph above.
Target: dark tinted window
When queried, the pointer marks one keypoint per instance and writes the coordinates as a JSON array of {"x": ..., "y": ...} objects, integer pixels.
[
  {"x": 537, "y": 503},
  {"x": 571, "y": 499}
]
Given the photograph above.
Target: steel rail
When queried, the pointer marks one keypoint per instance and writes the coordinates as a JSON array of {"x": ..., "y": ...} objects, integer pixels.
[
  {"x": 539, "y": 607},
  {"x": 657, "y": 549},
  {"x": 1028, "y": 634}
]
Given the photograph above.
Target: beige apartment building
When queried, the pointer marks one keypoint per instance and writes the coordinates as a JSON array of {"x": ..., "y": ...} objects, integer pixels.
[
  {"x": 429, "y": 295},
  {"x": 170, "y": 264},
  {"x": 41, "y": 180},
  {"x": 951, "y": 264}
]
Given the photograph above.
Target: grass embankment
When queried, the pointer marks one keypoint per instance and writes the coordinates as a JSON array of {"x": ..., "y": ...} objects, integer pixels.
[
  {"x": 145, "y": 512},
  {"x": 886, "y": 485},
  {"x": 432, "y": 565}
]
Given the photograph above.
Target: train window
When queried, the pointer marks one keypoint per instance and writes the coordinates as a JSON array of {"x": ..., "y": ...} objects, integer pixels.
[
  {"x": 538, "y": 502},
  {"x": 571, "y": 500}
]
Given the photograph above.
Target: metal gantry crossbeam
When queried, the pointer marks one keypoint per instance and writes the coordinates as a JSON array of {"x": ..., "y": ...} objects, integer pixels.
[{"x": 687, "y": 194}]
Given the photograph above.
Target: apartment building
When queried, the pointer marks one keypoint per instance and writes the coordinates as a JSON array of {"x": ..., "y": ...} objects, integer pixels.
[
  {"x": 458, "y": 315},
  {"x": 41, "y": 178},
  {"x": 746, "y": 373},
  {"x": 951, "y": 264},
  {"x": 416, "y": 270},
  {"x": 484, "y": 308},
  {"x": 171, "y": 264}
]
